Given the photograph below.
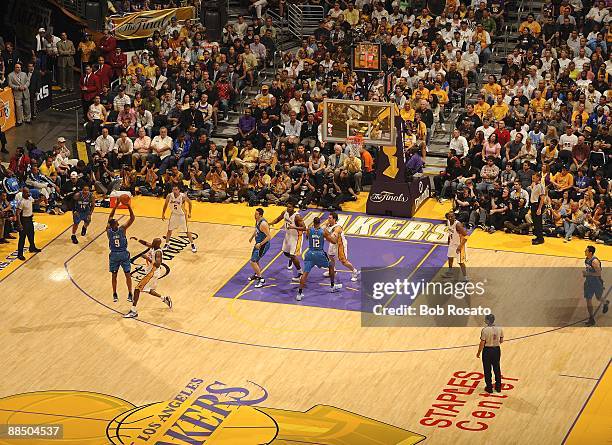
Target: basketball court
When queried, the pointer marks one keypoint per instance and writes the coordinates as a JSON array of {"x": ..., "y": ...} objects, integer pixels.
[
  {"x": 255, "y": 366},
  {"x": 232, "y": 364}
]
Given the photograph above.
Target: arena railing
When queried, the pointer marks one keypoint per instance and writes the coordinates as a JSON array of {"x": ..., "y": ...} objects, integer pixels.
[{"x": 303, "y": 20}]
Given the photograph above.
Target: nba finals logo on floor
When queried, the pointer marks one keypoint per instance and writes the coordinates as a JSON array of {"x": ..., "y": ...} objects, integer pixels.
[
  {"x": 201, "y": 413},
  {"x": 175, "y": 246}
]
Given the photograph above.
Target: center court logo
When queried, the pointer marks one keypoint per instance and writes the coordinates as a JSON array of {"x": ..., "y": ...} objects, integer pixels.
[{"x": 204, "y": 412}]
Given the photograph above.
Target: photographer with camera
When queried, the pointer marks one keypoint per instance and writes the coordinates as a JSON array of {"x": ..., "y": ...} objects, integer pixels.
[
  {"x": 347, "y": 192},
  {"x": 237, "y": 186},
  {"x": 259, "y": 187},
  {"x": 280, "y": 187},
  {"x": 302, "y": 191},
  {"x": 148, "y": 185},
  {"x": 197, "y": 182},
  {"x": 173, "y": 177},
  {"x": 218, "y": 181},
  {"x": 128, "y": 179},
  {"x": 329, "y": 192},
  {"x": 105, "y": 181},
  {"x": 516, "y": 221}
]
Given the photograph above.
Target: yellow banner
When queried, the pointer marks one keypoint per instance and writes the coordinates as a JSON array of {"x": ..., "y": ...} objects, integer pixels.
[
  {"x": 142, "y": 24},
  {"x": 7, "y": 109}
]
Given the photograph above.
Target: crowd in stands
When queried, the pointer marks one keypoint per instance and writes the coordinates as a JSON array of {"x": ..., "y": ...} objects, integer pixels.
[
  {"x": 172, "y": 96},
  {"x": 546, "y": 118},
  {"x": 151, "y": 120}
]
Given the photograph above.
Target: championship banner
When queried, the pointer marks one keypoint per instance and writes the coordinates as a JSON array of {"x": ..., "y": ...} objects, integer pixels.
[
  {"x": 142, "y": 24},
  {"x": 7, "y": 109},
  {"x": 43, "y": 96}
]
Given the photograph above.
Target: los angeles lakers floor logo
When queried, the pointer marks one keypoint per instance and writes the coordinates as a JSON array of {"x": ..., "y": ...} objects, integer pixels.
[{"x": 200, "y": 414}]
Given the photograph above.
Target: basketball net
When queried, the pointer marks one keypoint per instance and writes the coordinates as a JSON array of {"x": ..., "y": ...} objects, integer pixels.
[{"x": 354, "y": 144}]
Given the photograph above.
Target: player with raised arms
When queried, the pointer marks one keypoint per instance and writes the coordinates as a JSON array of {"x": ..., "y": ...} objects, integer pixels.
[
  {"x": 338, "y": 247},
  {"x": 84, "y": 205},
  {"x": 148, "y": 283},
  {"x": 178, "y": 219},
  {"x": 292, "y": 244},
  {"x": 457, "y": 239},
  {"x": 119, "y": 255},
  {"x": 262, "y": 244},
  {"x": 316, "y": 256}
]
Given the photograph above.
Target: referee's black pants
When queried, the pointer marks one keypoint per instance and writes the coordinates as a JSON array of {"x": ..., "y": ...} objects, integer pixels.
[
  {"x": 537, "y": 222},
  {"x": 490, "y": 360},
  {"x": 27, "y": 229}
]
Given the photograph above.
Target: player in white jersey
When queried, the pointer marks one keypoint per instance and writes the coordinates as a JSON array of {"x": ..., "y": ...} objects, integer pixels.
[
  {"x": 178, "y": 219},
  {"x": 338, "y": 246},
  {"x": 148, "y": 284},
  {"x": 292, "y": 244},
  {"x": 457, "y": 238}
]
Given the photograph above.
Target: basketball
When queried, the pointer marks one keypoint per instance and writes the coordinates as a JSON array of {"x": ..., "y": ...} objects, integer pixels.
[{"x": 124, "y": 199}]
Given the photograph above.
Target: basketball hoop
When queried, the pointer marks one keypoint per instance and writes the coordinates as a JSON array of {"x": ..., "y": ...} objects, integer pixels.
[{"x": 354, "y": 144}]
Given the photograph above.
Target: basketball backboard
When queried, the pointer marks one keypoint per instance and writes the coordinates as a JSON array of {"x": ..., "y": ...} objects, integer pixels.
[{"x": 375, "y": 121}]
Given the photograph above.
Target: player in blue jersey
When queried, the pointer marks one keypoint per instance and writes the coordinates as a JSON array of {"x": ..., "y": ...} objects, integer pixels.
[
  {"x": 262, "y": 244},
  {"x": 316, "y": 256},
  {"x": 119, "y": 255},
  {"x": 81, "y": 212},
  {"x": 593, "y": 283}
]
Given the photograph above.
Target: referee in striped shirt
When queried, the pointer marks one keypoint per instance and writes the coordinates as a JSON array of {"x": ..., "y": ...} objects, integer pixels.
[{"x": 491, "y": 337}]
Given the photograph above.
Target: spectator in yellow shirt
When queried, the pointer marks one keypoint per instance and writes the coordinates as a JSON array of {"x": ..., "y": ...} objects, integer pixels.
[
  {"x": 175, "y": 41},
  {"x": 562, "y": 181},
  {"x": 407, "y": 112},
  {"x": 149, "y": 70},
  {"x": 500, "y": 108},
  {"x": 580, "y": 112},
  {"x": 421, "y": 89},
  {"x": 537, "y": 103},
  {"x": 481, "y": 108},
  {"x": 87, "y": 48},
  {"x": 48, "y": 169},
  {"x": 492, "y": 88},
  {"x": 482, "y": 36},
  {"x": 442, "y": 95},
  {"x": 175, "y": 60},
  {"x": 351, "y": 15},
  {"x": 134, "y": 65},
  {"x": 420, "y": 129},
  {"x": 532, "y": 25},
  {"x": 405, "y": 49},
  {"x": 352, "y": 164}
]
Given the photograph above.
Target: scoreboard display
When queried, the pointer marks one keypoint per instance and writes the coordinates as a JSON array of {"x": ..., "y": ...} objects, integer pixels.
[{"x": 366, "y": 57}]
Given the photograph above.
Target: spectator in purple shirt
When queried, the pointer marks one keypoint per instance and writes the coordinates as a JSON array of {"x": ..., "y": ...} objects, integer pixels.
[
  {"x": 415, "y": 162},
  {"x": 246, "y": 126}
]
